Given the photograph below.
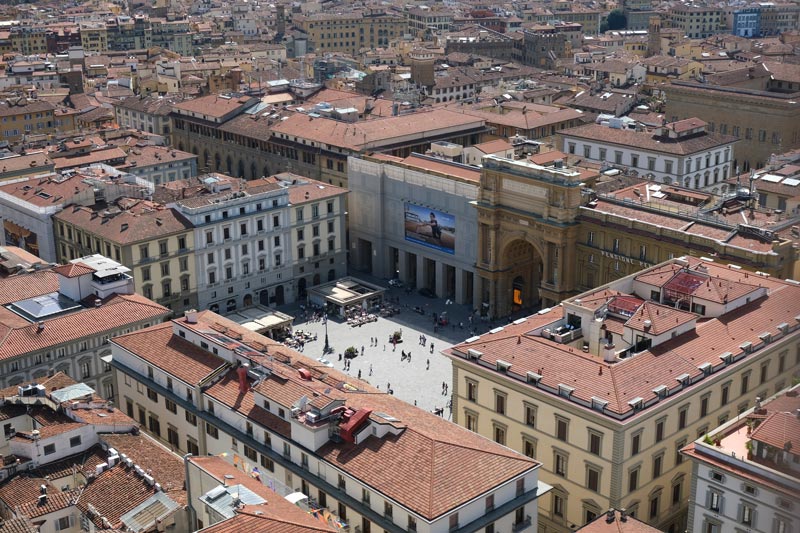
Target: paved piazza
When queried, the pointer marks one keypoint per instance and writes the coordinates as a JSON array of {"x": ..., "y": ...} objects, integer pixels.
[{"x": 410, "y": 381}]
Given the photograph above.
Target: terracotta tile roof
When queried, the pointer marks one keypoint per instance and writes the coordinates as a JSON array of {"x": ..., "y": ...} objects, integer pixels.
[
  {"x": 159, "y": 347},
  {"x": 211, "y": 105},
  {"x": 59, "y": 380},
  {"x": 18, "y": 525},
  {"x": 661, "y": 318},
  {"x": 779, "y": 430},
  {"x": 377, "y": 133},
  {"x": 83, "y": 463},
  {"x": 22, "y": 489},
  {"x": 226, "y": 391},
  {"x": 617, "y": 525},
  {"x": 316, "y": 190},
  {"x": 277, "y": 511},
  {"x": 73, "y": 270},
  {"x": 144, "y": 223},
  {"x": 56, "y": 501},
  {"x": 427, "y": 443},
  {"x": 424, "y": 163},
  {"x": 647, "y": 141},
  {"x": 47, "y": 192},
  {"x": 433, "y": 452},
  {"x": 637, "y": 376},
  {"x": 144, "y": 156},
  {"x": 247, "y": 520},
  {"x": 745, "y": 473},
  {"x": 35, "y": 161},
  {"x": 114, "y": 313},
  {"x": 113, "y": 493},
  {"x": 166, "y": 467},
  {"x": 104, "y": 417},
  {"x": 95, "y": 156},
  {"x": 492, "y": 147}
]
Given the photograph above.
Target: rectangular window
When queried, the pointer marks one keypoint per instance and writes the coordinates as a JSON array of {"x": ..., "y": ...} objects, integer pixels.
[
  {"x": 500, "y": 403},
  {"x": 633, "y": 480},
  {"x": 654, "y": 501},
  {"x": 50, "y": 449},
  {"x": 500, "y": 435},
  {"x": 250, "y": 453},
  {"x": 659, "y": 430},
  {"x": 172, "y": 407},
  {"x": 592, "y": 479},
  {"x": 636, "y": 442},
  {"x": 745, "y": 384},
  {"x": 747, "y": 515},
  {"x": 561, "y": 465},
  {"x": 472, "y": 391},
  {"x": 658, "y": 462},
  {"x": 595, "y": 442},
  {"x": 724, "y": 396},
  {"x": 561, "y": 429},
  {"x": 153, "y": 395},
  {"x": 714, "y": 501},
  {"x": 212, "y": 430},
  {"x": 191, "y": 418},
  {"x": 703, "y": 406},
  {"x": 75, "y": 441},
  {"x": 682, "y": 415},
  {"x": 530, "y": 415}
]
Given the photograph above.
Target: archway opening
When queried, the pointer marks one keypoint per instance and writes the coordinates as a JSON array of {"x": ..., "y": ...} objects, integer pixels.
[{"x": 522, "y": 266}]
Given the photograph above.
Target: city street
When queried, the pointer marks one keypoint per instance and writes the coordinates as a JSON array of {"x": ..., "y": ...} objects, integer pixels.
[{"x": 411, "y": 380}]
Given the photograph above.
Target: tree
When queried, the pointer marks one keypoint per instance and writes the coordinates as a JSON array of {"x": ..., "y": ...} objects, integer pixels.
[{"x": 616, "y": 20}]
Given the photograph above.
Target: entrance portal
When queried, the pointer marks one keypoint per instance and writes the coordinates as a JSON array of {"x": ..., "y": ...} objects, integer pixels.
[{"x": 522, "y": 276}]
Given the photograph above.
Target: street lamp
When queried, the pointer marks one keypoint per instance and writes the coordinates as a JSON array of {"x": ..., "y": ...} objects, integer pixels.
[{"x": 327, "y": 346}]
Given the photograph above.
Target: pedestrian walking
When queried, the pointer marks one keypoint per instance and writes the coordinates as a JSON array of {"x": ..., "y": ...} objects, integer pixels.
[
  {"x": 359, "y": 373},
  {"x": 428, "y": 364},
  {"x": 431, "y": 347},
  {"x": 370, "y": 369}
]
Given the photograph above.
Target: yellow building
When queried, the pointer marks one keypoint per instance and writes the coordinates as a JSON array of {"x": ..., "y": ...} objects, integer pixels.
[
  {"x": 607, "y": 387},
  {"x": 350, "y": 32},
  {"x": 22, "y": 117},
  {"x": 623, "y": 232},
  {"x": 94, "y": 37},
  {"x": 29, "y": 40},
  {"x": 157, "y": 244}
]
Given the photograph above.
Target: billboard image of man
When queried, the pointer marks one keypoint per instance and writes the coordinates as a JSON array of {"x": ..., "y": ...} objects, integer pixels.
[{"x": 430, "y": 227}]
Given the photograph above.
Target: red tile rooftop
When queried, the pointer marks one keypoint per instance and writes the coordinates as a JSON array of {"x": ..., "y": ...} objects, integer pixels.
[
  {"x": 624, "y": 380},
  {"x": 431, "y": 448}
]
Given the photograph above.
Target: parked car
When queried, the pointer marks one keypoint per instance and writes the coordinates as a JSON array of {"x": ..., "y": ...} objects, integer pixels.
[
  {"x": 325, "y": 362},
  {"x": 395, "y": 283}
]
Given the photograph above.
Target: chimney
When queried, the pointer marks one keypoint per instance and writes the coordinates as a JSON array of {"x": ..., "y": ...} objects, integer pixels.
[
  {"x": 608, "y": 353},
  {"x": 610, "y": 516},
  {"x": 623, "y": 515},
  {"x": 242, "y": 373},
  {"x": 191, "y": 316},
  {"x": 40, "y": 326}
]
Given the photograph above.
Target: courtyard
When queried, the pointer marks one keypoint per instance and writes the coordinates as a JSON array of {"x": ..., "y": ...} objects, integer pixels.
[{"x": 418, "y": 379}]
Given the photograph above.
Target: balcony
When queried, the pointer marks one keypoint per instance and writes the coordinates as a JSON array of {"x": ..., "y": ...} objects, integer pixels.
[{"x": 519, "y": 526}]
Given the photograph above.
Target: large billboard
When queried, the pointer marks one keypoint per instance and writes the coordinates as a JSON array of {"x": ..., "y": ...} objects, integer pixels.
[
  {"x": 430, "y": 227},
  {"x": 18, "y": 236}
]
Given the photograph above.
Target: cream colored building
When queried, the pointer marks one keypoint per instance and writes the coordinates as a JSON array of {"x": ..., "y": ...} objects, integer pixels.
[
  {"x": 207, "y": 386},
  {"x": 606, "y": 388},
  {"x": 156, "y": 243}
]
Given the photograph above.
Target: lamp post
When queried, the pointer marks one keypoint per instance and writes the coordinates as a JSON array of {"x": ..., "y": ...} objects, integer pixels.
[{"x": 327, "y": 346}]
